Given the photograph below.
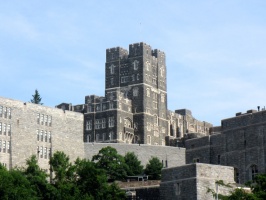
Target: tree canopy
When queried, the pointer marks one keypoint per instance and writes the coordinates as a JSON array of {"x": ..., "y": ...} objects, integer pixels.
[
  {"x": 36, "y": 98},
  {"x": 133, "y": 163},
  {"x": 154, "y": 168}
]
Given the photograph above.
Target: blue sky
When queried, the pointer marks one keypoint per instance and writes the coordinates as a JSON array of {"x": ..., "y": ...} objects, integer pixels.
[{"x": 215, "y": 50}]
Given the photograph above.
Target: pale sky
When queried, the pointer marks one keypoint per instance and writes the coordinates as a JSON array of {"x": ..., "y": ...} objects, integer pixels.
[{"x": 215, "y": 50}]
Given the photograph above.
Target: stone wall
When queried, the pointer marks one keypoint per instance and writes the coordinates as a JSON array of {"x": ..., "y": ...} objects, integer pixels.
[
  {"x": 40, "y": 130},
  {"x": 191, "y": 182},
  {"x": 175, "y": 156}
]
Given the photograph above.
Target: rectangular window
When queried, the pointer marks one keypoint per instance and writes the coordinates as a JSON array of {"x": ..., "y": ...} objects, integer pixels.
[
  {"x": 41, "y": 152},
  {"x": 9, "y": 129},
  {"x": 219, "y": 159},
  {"x": 41, "y": 135},
  {"x": 5, "y": 112},
  {"x": 111, "y": 105},
  {"x": 49, "y": 152},
  {"x": 45, "y": 136},
  {"x": 124, "y": 79},
  {"x": 103, "y": 123},
  {"x": 0, "y": 145},
  {"x": 9, "y": 113},
  {"x": 4, "y": 129},
  {"x": 1, "y": 111},
  {"x": 50, "y": 137},
  {"x": 37, "y": 132},
  {"x": 0, "y": 128},
  {"x": 97, "y": 124},
  {"x": 38, "y": 118},
  {"x": 8, "y": 147},
  {"x": 4, "y": 146},
  {"x": 155, "y": 105},
  {"x": 89, "y": 108},
  {"x": 177, "y": 189},
  {"x": 112, "y": 81},
  {"x": 49, "y": 120},
  {"x": 45, "y": 152},
  {"x": 42, "y": 119},
  {"x": 111, "y": 122},
  {"x": 46, "y": 120},
  {"x": 97, "y": 137}
]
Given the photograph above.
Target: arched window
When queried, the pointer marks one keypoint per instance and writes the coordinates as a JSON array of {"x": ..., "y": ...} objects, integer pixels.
[
  {"x": 112, "y": 69},
  {"x": 253, "y": 171}
]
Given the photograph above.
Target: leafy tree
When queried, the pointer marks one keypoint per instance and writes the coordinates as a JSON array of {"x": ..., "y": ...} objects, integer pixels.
[
  {"x": 153, "y": 168},
  {"x": 65, "y": 179},
  {"x": 258, "y": 186},
  {"x": 14, "y": 185},
  {"x": 38, "y": 179},
  {"x": 238, "y": 194},
  {"x": 112, "y": 162},
  {"x": 133, "y": 163},
  {"x": 36, "y": 98}
]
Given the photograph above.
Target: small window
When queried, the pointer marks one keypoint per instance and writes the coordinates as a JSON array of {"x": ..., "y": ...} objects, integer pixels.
[
  {"x": 0, "y": 145},
  {"x": 37, "y": 132},
  {"x": 9, "y": 113},
  {"x": 9, "y": 129},
  {"x": 1, "y": 111},
  {"x": 4, "y": 129},
  {"x": 162, "y": 98},
  {"x": 111, "y": 122},
  {"x": 0, "y": 128},
  {"x": 177, "y": 189},
  {"x": 148, "y": 139},
  {"x": 112, "y": 81},
  {"x": 148, "y": 92},
  {"x": 50, "y": 137},
  {"x": 112, "y": 69},
  {"x": 103, "y": 123},
  {"x": 45, "y": 152},
  {"x": 219, "y": 159},
  {"x": 236, "y": 175},
  {"x": 45, "y": 136},
  {"x": 196, "y": 160},
  {"x": 97, "y": 137},
  {"x": 253, "y": 171}
]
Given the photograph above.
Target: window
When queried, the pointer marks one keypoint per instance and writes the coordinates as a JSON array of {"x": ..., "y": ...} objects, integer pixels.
[
  {"x": 148, "y": 139},
  {"x": 133, "y": 77},
  {"x": 103, "y": 136},
  {"x": 103, "y": 123},
  {"x": 177, "y": 189},
  {"x": 45, "y": 136},
  {"x": 148, "y": 66},
  {"x": 253, "y": 171},
  {"x": 4, "y": 129},
  {"x": 0, "y": 145},
  {"x": 155, "y": 96},
  {"x": 155, "y": 105},
  {"x": 135, "y": 64},
  {"x": 138, "y": 76},
  {"x": 5, "y": 112},
  {"x": 1, "y": 111},
  {"x": 111, "y": 121},
  {"x": 88, "y": 125},
  {"x": 50, "y": 137},
  {"x": 111, "y": 105},
  {"x": 162, "y": 98},
  {"x": 155, "y": 118},
  {"x": 9, "y": 113},
  {"x": 8, "y": 147},
  {"x": 41, "y": 152},
  {"x": 112, "y": 81},
  {"x": 236, "y": 175},
  {"x": 49, "y": 120},
  {"x": 135, "y": 92},
  {"x": 88, "y": 138},
  {"x": 154, "y": 80},
  {"x": 124, "y": 79},
  {"x": 45, "y": 152},
  {"x": 9, "y": 129},
  {"x": 89, "y": 108},
  {"x": 148, "y": 126},
  {"x": 46, "y": 120},
  {"x": 0, "y": 128},
  {"x": 4, "y": 146},
  {"x": 38, "y": 118},
  {"x": 162, "y": 71},
  {"x": 97, "y": 124},
  {"x": 196, "y": 160},
  {"x": 112, "y": 69},
  {"x": 97, "y": 137},
  {"x": 111, "y": 136},
  {"x": 219, "y": 159},
  {"x": 37, "y": 131},
  {"x": 42, "y": 118},
  {"x": 148, "y": 92},
  {"x": 41, "y": 136}
]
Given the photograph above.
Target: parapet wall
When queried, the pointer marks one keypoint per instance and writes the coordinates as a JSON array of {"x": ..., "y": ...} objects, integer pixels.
[{"x": 174, "y": 156}]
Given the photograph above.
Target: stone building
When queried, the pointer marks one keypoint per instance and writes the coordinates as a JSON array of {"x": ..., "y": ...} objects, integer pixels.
[
  {"x": 196, "y": 181},
  {"x": 28, "y": 129},
  {"x": 134, "y": 108},
  {"x": 240, "y": 142}
]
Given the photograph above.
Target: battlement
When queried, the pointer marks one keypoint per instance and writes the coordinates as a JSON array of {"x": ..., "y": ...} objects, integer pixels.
[
  {"x": 139, "y": 49},
  {"x": 113, "y": 54}
]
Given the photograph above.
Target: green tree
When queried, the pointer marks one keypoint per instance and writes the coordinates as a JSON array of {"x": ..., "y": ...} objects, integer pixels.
[
  {"x": 239, "y": 194},
  {"x": 154, "y": 168},
  {"x": 65, "y": 177},
  {"x": 38, "y": 179},
  {"x": 14, "y": 185},
  {"x": 133, "y": 163},
  {"x": 112, "y": 162},
  {"x": 36, "y": 98}
]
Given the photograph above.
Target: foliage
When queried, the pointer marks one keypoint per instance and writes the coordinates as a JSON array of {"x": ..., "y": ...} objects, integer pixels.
[
  {"x": 153, "y": 168},
  {"x": 239, "y": 193},
  {"x": 134, "y": 165},
  {"x": 113, "y": 163},
  {"x": 36, "y": 98}
]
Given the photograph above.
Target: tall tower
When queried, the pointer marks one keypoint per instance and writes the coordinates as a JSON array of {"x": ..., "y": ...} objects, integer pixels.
[{"x": 140, "y": 76}]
